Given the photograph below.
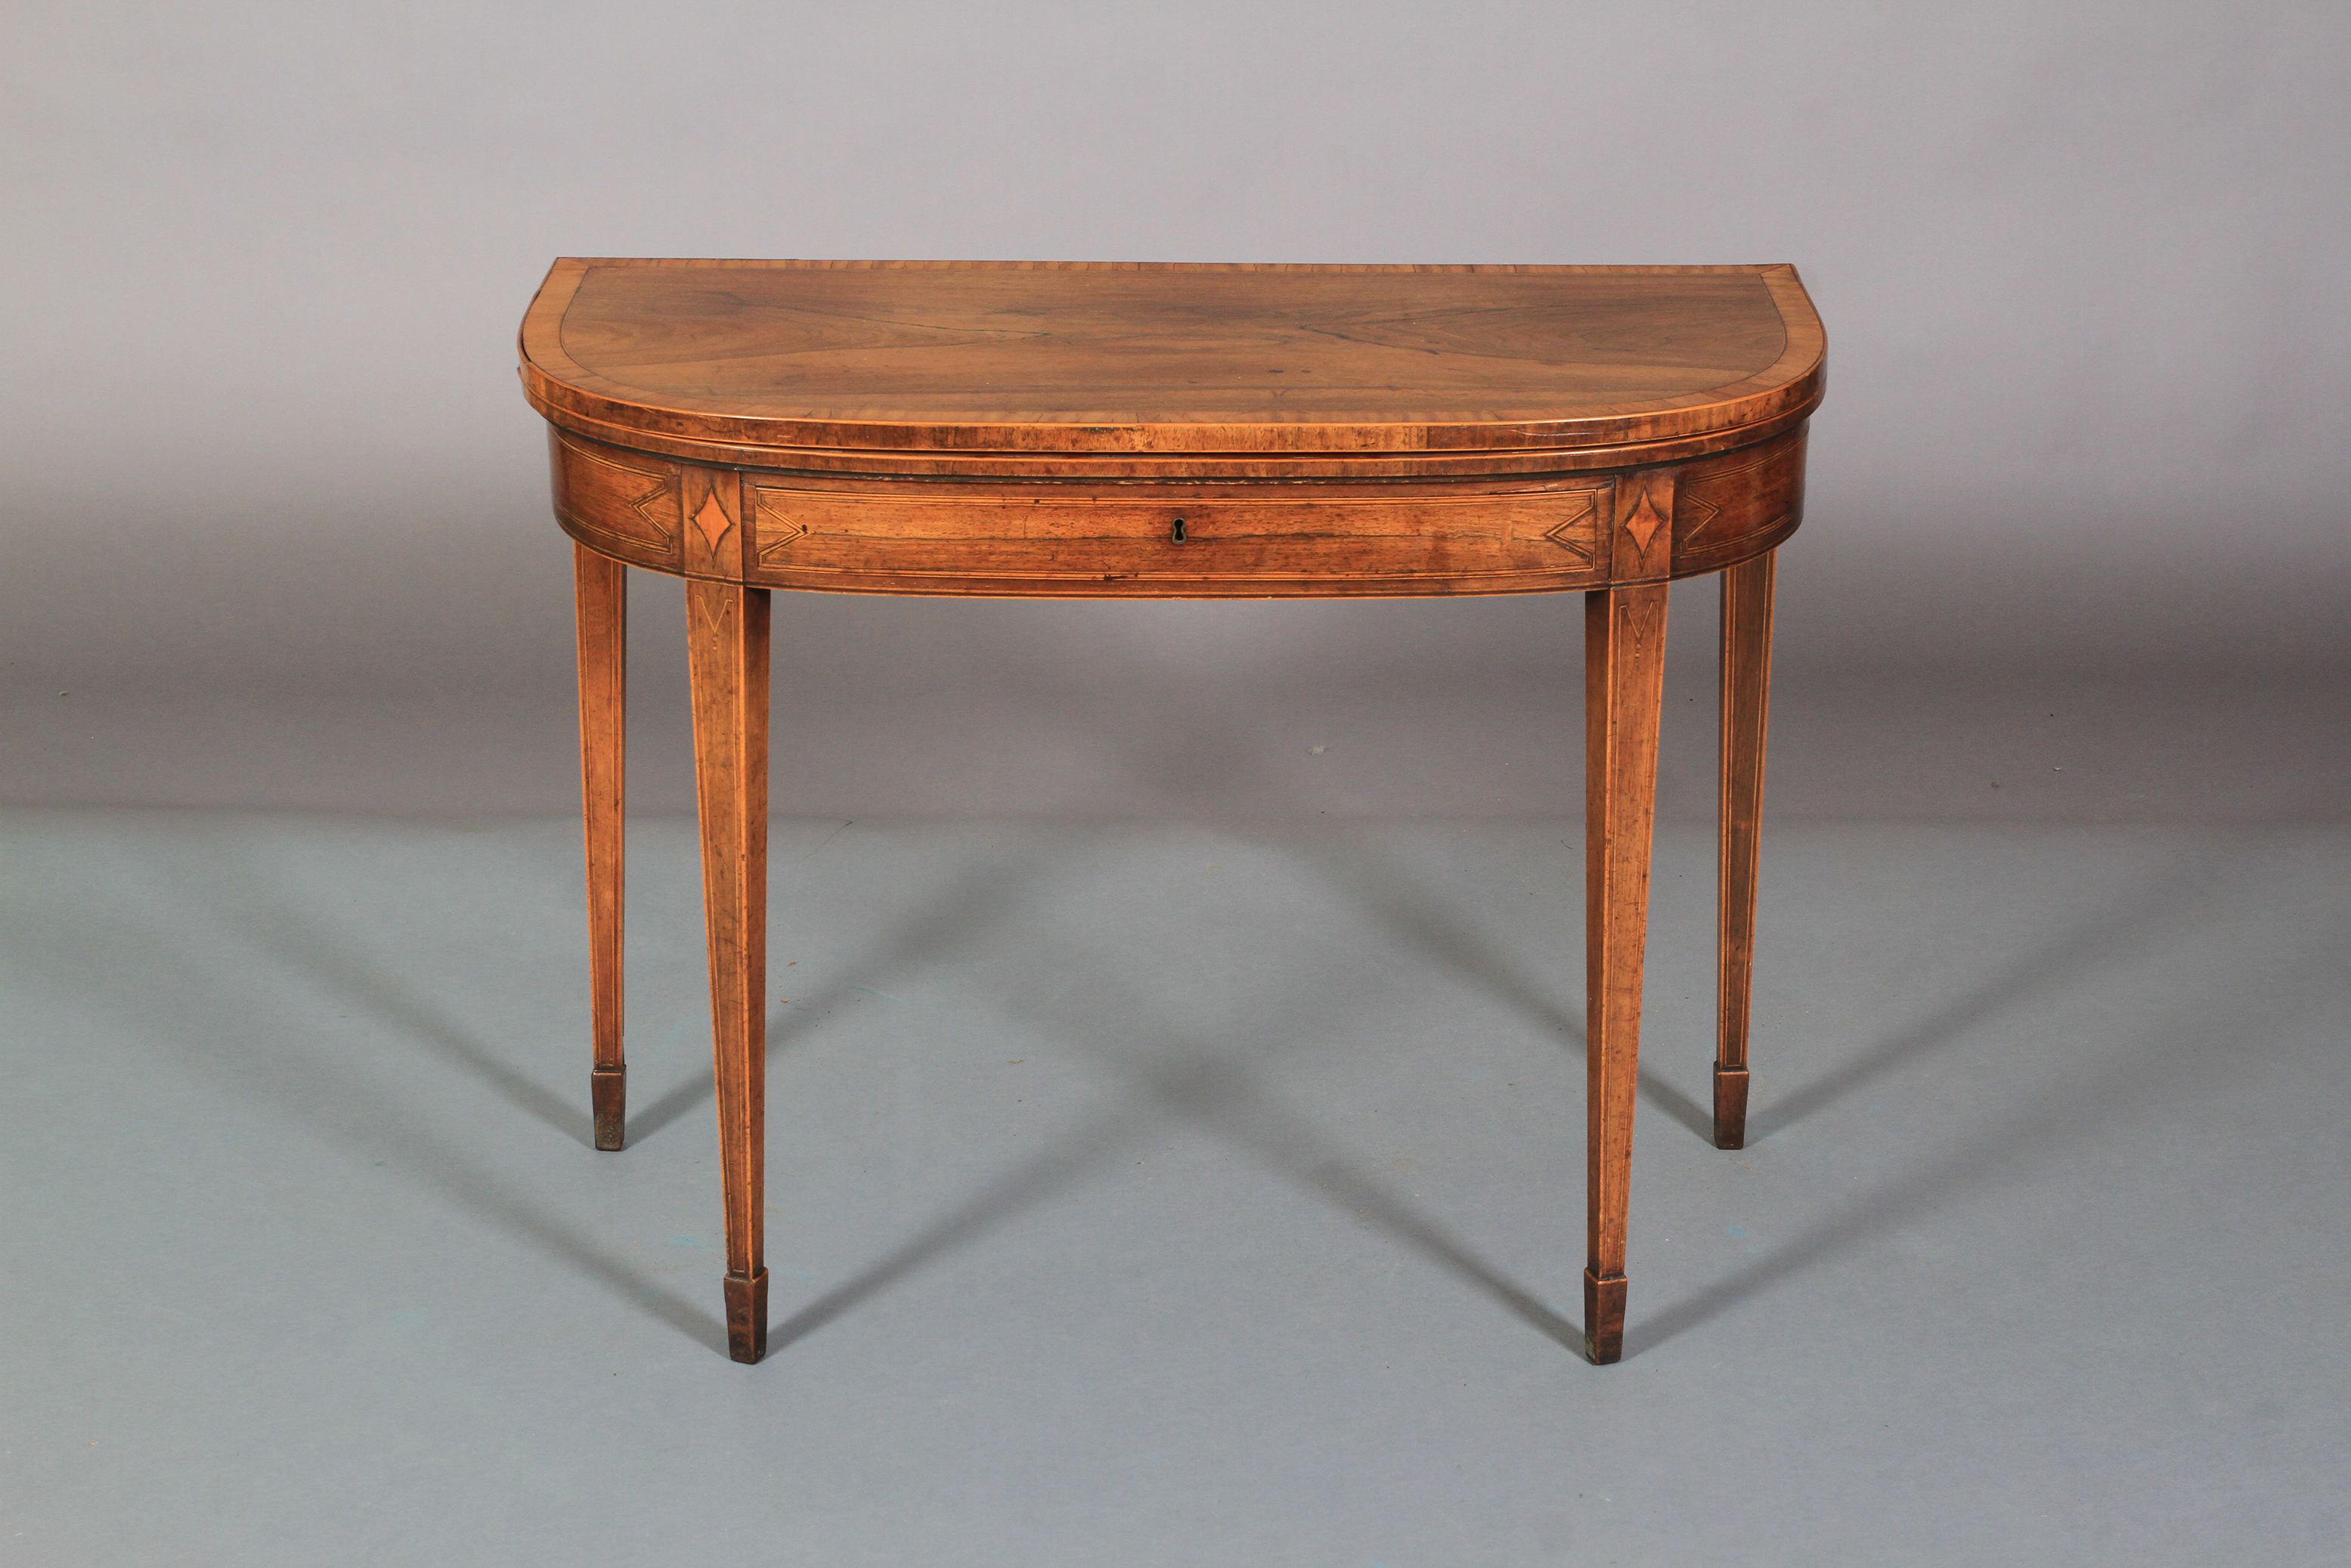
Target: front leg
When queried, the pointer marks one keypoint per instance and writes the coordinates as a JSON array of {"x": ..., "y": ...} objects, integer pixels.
[
  {"x": 1624, "y": 675},
  {"x": 727, "y": 628}
]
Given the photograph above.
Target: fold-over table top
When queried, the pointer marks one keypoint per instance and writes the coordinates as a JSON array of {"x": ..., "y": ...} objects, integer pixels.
[{"x": 1085, "y": 358}]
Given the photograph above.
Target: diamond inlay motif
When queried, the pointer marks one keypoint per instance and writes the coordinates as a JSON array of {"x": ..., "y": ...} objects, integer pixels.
[
  {"x": 711, "y": 519},
  {"x": 1645, "y": 521}
]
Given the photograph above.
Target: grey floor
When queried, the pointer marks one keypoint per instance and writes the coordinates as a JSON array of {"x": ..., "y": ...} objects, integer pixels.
[{"x": 1172, "y": 1194}]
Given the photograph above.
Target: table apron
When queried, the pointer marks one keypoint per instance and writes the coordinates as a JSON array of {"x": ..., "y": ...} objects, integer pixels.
[{"x": 1080, "y": 538}]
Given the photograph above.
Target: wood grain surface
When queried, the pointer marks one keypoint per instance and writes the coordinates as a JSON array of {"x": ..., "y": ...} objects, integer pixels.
[
  {"x": 1624, "y": 691},
  {"x": 1309, "y": 539},
  {"x": 726, "y": 660},
  {"x": 1746, "y": 591},
  {"x": 601, "y": 598},
  {"x": 728, "y": 359}
]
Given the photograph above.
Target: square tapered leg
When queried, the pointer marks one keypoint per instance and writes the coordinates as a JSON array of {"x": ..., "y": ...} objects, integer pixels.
[
  {"x": 1746, "y": 703},
  {"x": 602, "y": 586},
  {"x": 1625, "y": 645},
  {"x": 727, "y": 625}
]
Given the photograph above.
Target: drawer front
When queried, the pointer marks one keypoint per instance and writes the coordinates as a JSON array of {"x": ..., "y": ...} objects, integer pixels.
[{"x": 1284, "y": 539}]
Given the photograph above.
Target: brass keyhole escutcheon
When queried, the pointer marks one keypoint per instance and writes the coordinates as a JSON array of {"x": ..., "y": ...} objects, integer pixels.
[{"x": 1175, "y": 534}]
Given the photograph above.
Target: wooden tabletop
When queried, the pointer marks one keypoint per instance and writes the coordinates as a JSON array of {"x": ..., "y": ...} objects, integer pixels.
[{"x": 726, "y": 360}]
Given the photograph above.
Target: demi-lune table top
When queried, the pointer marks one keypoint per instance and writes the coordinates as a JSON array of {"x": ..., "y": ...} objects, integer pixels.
[{"x": 1381, "y": 371}]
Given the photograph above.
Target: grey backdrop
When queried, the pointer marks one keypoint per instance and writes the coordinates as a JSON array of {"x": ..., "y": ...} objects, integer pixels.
[
  {"x": 276, "y": 512},
  {"x": 1199, "y": 1189}
]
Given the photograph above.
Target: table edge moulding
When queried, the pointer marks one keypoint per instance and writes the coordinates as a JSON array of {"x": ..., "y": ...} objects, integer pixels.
[{"x": 1123, "y": 431}]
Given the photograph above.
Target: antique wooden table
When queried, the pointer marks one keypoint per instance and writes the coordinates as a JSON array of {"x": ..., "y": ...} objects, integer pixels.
[{"x": 1157, "y": 432}]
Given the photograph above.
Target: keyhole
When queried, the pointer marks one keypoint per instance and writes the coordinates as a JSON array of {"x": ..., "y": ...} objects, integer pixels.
[{"x": 1175, "y": 534}]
